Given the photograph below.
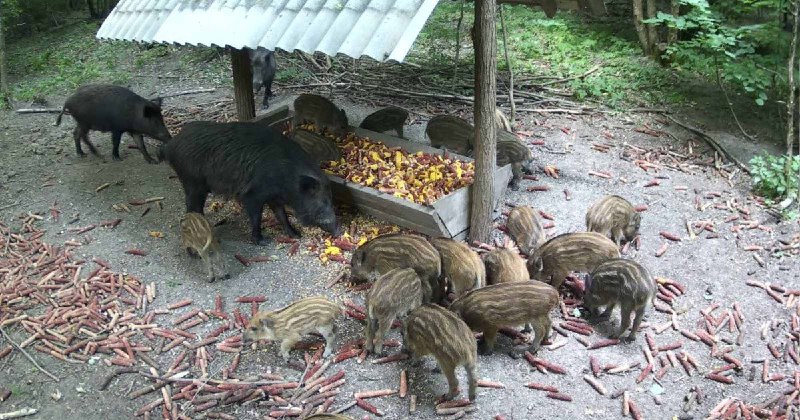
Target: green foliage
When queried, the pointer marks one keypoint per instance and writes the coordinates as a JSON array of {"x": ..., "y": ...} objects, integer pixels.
[
  {"x": 775, "y": 180},
  {"x": 743, "y": 54}
]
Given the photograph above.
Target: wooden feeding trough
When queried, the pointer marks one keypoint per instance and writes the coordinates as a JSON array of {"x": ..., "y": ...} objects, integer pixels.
[{"x": 447, "y": 217}]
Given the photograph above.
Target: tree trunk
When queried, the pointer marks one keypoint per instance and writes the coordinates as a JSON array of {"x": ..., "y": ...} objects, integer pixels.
[
  {"x": 790, "y": 103},
  {"x": 92, "y": 9},
  {"x": 243, "y": 85},
  {"x": 3, "y": 71},
  {"x": 638, "y": 16},
  {"x": 652, "y": 33},
  {"x": 485, "y": 44},
  {"x": 672, "y": 33}
]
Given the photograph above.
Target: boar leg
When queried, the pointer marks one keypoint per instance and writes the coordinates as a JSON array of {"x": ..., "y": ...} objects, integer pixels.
[
  {"x": 626, "y": 311},
  {"x": 253, "y": 208},
  {"x": 195, "y": 197},
  {"x": 116, "y": 138},
  {"x": 209, "y": 269},
  {"x": 528, "y": 328},
  {"x": 472, "y": 380},
  {"x": 558, "y": 278},
  {"x": 288, "y": 343},
  {"x": 486, "y": 346},
  {"x": 606, "y": 314},
  {"x": 449, "y": 372},
  {"x": 400, "y": 132},
  {"x": 329, "y": 333},
  {"x": 636, "y": 323},
  {"x": 516, "y": 170},
  {"x": 382, "y": 327},
  {"x": 79, "y": 134},
  {"x": 369, "y": 334},
  {"x": 140, "y": 144},
  {"x": 541, "y": 330},
  {"x": 280, "y": 214}
]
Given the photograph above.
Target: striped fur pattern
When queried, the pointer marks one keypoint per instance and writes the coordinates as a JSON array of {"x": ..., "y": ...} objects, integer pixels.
[
  {"x": 322, "y": 112},
  {"x": 620, "y": 282},
  {"x": 504, "y": 266},
  {"x": 461, "y": 266},
  {"x": 580, "y": 252},
  {"x": 501, "y": 120},
  {"x": 451, "y": 133},
  {"x": 197, "y": 238},
  {"x": 431, "y": 329},
  {"x": 289, "y": 324},
  {"x": 320, "y": 148},
  {"x": 525, "y": 227},
  {"x": 510, "y": 150},
  {"x": 508, "y": 305},
  {"x": 393, "y": 295},
  {"x": 389, "y": 118},
  {"x": 400, "y": 250},
  {"x": 614, "y": 217}
]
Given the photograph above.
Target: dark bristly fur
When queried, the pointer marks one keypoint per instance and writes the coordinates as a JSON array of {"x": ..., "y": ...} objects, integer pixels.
[
  {"x": 115, "y": 109},
  {"x": 322, "y": 112},
  {"x": 389, "y": 118},
  {"x": 393, "y": 295},
  {"x": 400, "y": 250},
  {"x": 264, "y": 66},
  {"x": 320, "y": 148},
  {"x": 581, "y": 252},
  {"x": 508, "y": 305},
  {"x": 525, "y": 227},
  {"x": 431, "y": 329},
  {"x": 614, "y": 217},
  {"x": 289, "y": 324},
  {"x": 504, "y": 266},
  {"x": 197, "y": 238},
  {"x": 461, "y": 266},
  {"x": 255, "y": 164},
  {"x": 450, "y": 132},
  {"x": 620, "y": 282}
]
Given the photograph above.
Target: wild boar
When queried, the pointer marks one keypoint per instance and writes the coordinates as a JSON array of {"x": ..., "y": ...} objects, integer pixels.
[
  {"x": 197, "y": 238},
  {"x": 525, "y": 227},
  {"x": 461, "y": 266},
  {"x": 508, "y": 305},
  {"x": 431, "y": 329},
  {"x": 504, "y": 266},
  {"x": 322, "y": 112},
  {"x": 256, "y": 165},
  {"x": 400, "y": 250},
  {"x": 620, "y": 282},
  {"x": 614, "y": 217},
  {"x": 320, "y": 148},
  {"x": 264, "y": 66},
  {"x": 116, "y": 109},
  {"x": 393, "y": 295},
  {"x": 581, "y": 252},
  {"x": 389, "y": 118},
  {"x": 451, "y": 133},
  {"x": 510, "y": 150},
  {"x": 289, "y": 324}
]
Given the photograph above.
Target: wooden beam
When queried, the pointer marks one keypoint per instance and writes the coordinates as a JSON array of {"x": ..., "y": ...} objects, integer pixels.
[
  {"x": 243, "y": 85},
  {"x": 485, "y": 44}
]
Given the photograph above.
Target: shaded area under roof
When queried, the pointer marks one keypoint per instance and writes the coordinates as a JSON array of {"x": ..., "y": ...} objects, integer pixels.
[{"x": 380, "y": 29}]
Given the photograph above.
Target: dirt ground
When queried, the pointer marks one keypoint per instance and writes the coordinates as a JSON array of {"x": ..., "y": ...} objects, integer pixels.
[{"x": 38, "y": 168}]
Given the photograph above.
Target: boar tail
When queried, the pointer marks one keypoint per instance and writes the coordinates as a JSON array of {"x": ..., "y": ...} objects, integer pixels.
[{"x": 58, "y": 119}]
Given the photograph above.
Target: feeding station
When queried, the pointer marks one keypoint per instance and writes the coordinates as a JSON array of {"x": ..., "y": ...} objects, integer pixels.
[{"x": 381, "y": 30}]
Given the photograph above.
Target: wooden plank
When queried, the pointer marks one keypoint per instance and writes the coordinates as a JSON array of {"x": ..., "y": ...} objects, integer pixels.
[{"x": 273, "y": 116}]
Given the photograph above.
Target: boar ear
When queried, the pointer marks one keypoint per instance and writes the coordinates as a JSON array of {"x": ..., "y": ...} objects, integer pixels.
[
  {"x": 309, "y": 184},
  {"x": 267, "y": 322}
]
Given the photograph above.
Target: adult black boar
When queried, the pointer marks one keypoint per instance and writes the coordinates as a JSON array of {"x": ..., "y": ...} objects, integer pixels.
[
  {"x": 264, "y": 66},
  {"x": 118, "y": 110},
  {"x": 255, "y": 164}
]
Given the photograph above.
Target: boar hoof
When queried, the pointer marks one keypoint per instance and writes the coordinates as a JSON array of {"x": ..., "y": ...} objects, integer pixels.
[
  {"x": 226, "y": 276},
  {"x": 484, "y": 349},
  {"x": 628, "y": 339},
  {"x": 514, "y": 186},
  {"x": 211, "y": 279},
  {"x": 116, "y": 158},
  {"x": 261, "y": 241}
]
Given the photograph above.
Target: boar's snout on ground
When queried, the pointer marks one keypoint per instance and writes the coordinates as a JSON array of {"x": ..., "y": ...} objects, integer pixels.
[{"x": 314, "y": 204}]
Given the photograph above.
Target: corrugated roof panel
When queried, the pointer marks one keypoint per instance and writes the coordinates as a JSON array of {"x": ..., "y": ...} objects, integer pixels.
[{"x": 381, "y": 29}]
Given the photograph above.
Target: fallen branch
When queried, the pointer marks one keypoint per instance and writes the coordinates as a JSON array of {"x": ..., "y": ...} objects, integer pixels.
[
  {"x": 28, "y": 356},
  {"x": 557, "y": 111},
  {"x": 19, "y": 413},
  {"x": 567, "y": 79},
  {"x": 187, "y": 92},
  {"x": 711, "y": 142},
  {"x": 39, "y": 111}
]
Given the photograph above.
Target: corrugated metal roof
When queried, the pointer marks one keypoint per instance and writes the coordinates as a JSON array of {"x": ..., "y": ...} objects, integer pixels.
[{"x": 381, "y": 29}]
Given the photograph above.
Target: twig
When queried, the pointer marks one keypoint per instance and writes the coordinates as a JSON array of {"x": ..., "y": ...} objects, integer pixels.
[
  {"x": 187, "y": 92},
  {"x": 508, "y": 64},
  {"x": 38, "y": 111},
  {"x": 567, "y": 79},
  {"x": 458, "y": 45},
  {"x": 19, "y": 413},
  {"x": 28, "y": 356},
  {"x": 116, "y": 373},
  {"x": 711, "y": 142},
  {"x": 557, "y": 111},
  {"x": 8, "y": 206}
]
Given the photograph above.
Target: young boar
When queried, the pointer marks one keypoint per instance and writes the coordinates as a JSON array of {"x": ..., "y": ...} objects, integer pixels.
[
  {"x": 525, "y": 227},
  {"x": 510, "y": 150},
  {"x": 197, "y": 238},
  {"x": 393, "y": 295},
  {"x": 264, "y": 66},
  {"x": 431, "y": 329},
  {"x": 624, "y": 282},
  {"x": 289, "y": 324},
  {"x": 256, "y": 165},
  {"x": 501, "y": 120},
  {"x": 320, "y": 148},
  {"x": 461, "y": 266},
  {"x": 390, "y": 118},
  {"x": 451, "y": 133},
  {"x": 508, "y": 305},
  {"x": 116, "y": 109},
  {"x": 614, "y": 217},
  {"x": 400, "y": 250},
  {"x": 581, "y": 252},
  {"x": 322, "y": 112},
  {"x": 504, "y": 266}
]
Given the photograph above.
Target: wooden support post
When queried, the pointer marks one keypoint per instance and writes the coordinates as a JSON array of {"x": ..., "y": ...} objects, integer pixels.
[
  {"x": 485, "y": 44},
  {"x": 243, "y": 85}
]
